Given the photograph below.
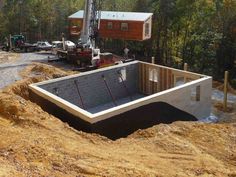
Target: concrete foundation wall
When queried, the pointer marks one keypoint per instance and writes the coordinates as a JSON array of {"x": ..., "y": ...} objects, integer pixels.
[
  {"x": 193, "y": 96},
  {"x": 122, "y": 124},
  {"x": 179, "y": 97},
  {"x": 93, "y": 89}
]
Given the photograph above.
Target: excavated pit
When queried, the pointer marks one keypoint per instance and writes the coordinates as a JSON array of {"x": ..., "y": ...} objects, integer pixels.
[{"x": 119, "y": 100}]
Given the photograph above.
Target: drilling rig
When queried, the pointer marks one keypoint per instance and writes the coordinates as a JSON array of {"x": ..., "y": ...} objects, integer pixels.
[
  {"x": 87, "y": 54},
  {"x": 89, "y": 35},
  {"x": 91, "y": 22}
]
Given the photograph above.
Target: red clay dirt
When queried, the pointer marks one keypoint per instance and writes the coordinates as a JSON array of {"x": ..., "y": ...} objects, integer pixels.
[{"x": 35, "y": 143}]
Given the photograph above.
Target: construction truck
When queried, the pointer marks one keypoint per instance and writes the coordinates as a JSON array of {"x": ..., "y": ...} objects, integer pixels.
[
  {"x": 86, "y": 54},
  {"x": 17, "y": 43}
]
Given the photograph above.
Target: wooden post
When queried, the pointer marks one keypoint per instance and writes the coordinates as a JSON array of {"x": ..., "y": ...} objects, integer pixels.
[
  {"x": 143, "y": 78},
  {"x": 185, "y": 66},
  {"x": 147, "y": 80},
  {"x": 10, "y": 42},
  {"x": 153, "y": 60},
  {"x": 154, "y": 72},
  {"x": 158, "y": 80},
  {"x": 225, "y": 89},
  {"x": 63, "y": 43},
  {"x": 174, "y": 83},
  {"x": 140, "y": 78},
  {"x": 185, "y": 69}
]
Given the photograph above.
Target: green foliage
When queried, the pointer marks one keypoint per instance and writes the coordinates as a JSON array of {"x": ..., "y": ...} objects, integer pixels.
[
  {"x": 37, "y": 19},
  {"x": 199, "y": 32}
]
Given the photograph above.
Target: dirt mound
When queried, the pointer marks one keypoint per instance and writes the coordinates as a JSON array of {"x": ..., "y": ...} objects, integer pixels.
[
  {"x": 21, "y": 87},
  {"x": 6, "y": 57},
  {"x": 35, "y": 143},
  {"x": 220, "y": 86},
  {"x": 35, "y": 73},
  {"x": 220, "y": 107},
  {"x": 39, "y": 69}
]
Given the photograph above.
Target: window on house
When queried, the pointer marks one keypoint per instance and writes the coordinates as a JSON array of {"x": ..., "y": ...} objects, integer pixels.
[
  {"x": 76, "y": 24},
  {"x": 147, "y": 29},
  {"x": 109, "y": 25},
  {"x": 124, "y": 27},
  {"x": 195, "y": 93}
]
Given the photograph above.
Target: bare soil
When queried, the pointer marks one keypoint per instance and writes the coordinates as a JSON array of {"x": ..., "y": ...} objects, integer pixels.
[
  {"x": 8, "y": 57},
  {"x": 220, "y": 86},
  {"x": 35, "y": 143}
]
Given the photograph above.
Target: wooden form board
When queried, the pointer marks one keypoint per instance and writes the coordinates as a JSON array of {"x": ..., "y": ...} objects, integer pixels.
[
  {"x": 166, "y": 81},
  {"x": 155, "y": 78}
]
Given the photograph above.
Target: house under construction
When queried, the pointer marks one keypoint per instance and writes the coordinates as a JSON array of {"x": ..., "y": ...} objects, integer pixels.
[{"x": 118, "y": 100}]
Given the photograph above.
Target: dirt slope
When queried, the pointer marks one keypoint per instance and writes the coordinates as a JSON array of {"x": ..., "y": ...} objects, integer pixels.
[{"x": 34, "y": 143}]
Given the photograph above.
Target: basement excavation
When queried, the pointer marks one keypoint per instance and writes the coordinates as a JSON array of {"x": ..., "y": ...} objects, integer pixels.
[{"x": 121, "y": 99}]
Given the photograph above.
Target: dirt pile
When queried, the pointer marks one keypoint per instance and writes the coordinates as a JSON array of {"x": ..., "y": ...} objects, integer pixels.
[
  {"x": 35, "y": 73},
  {"x": 39, "y": 69},
  {"x": 220, "y": 86},
  {"x": 35, "y": 143},
  {"x": 8, "y": 57}
]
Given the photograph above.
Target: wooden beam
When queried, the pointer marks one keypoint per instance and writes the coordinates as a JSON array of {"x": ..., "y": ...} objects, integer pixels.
[
  {"x": 226, "y": 89},
  {"x": 180, "y": 72},
  {"x": 153, "y": 81},
  {"x": 140, "y": 77},
  {"x": 153, "y": 60},
  {"x": 147, "y": 79},
  {"x": 10, "y": 42},
  {"x": 174, "y": 83},
  {"x": 185, "y": 66},
  {"x": 158, "y": 79},
  {"x": 185, "y": 69},
  {"x": 143, "y": 78},
  {"x": 170, "y": 78}
]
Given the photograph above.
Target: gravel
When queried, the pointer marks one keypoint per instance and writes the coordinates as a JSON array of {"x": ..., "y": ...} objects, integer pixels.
[{"x": 9, "y": 71}]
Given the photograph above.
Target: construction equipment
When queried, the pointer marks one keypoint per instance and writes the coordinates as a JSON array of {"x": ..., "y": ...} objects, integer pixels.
[
  {"x": 86, "y": 54},
  {"x": 17, "y": 43},
  {"x": 91, "y": 23}
]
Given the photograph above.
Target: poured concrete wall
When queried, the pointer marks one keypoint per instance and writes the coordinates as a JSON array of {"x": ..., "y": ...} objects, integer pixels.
[
  {"x": 92, "y": 87},
  {"x": 122, "y": 124},
  {"x": 192, "y": 97},
  {"x": 179, "y": 97}
]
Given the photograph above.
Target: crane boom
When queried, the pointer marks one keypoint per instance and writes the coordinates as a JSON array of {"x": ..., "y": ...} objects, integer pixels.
[{"x": 91, "y": 21}]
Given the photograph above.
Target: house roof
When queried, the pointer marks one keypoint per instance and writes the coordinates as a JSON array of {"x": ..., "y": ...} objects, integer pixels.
[{"x": 121, "y": 16}]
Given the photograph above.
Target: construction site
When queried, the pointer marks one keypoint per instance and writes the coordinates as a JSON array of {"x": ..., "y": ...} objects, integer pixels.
[
  {"x": 82, "y": 111},
  {"x": 123, "y": 92}
]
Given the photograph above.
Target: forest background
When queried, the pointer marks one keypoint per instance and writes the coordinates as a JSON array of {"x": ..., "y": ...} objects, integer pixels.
[{"x": 201, "y": 33}]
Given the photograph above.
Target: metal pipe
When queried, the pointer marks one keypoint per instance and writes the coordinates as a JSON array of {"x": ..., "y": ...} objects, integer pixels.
[
  {"x": 77, "y": 87},
  {"x": 109, "y": 90}
]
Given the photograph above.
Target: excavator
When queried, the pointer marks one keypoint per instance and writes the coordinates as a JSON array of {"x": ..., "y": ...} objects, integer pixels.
[{"x": 87, "y": 54}]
